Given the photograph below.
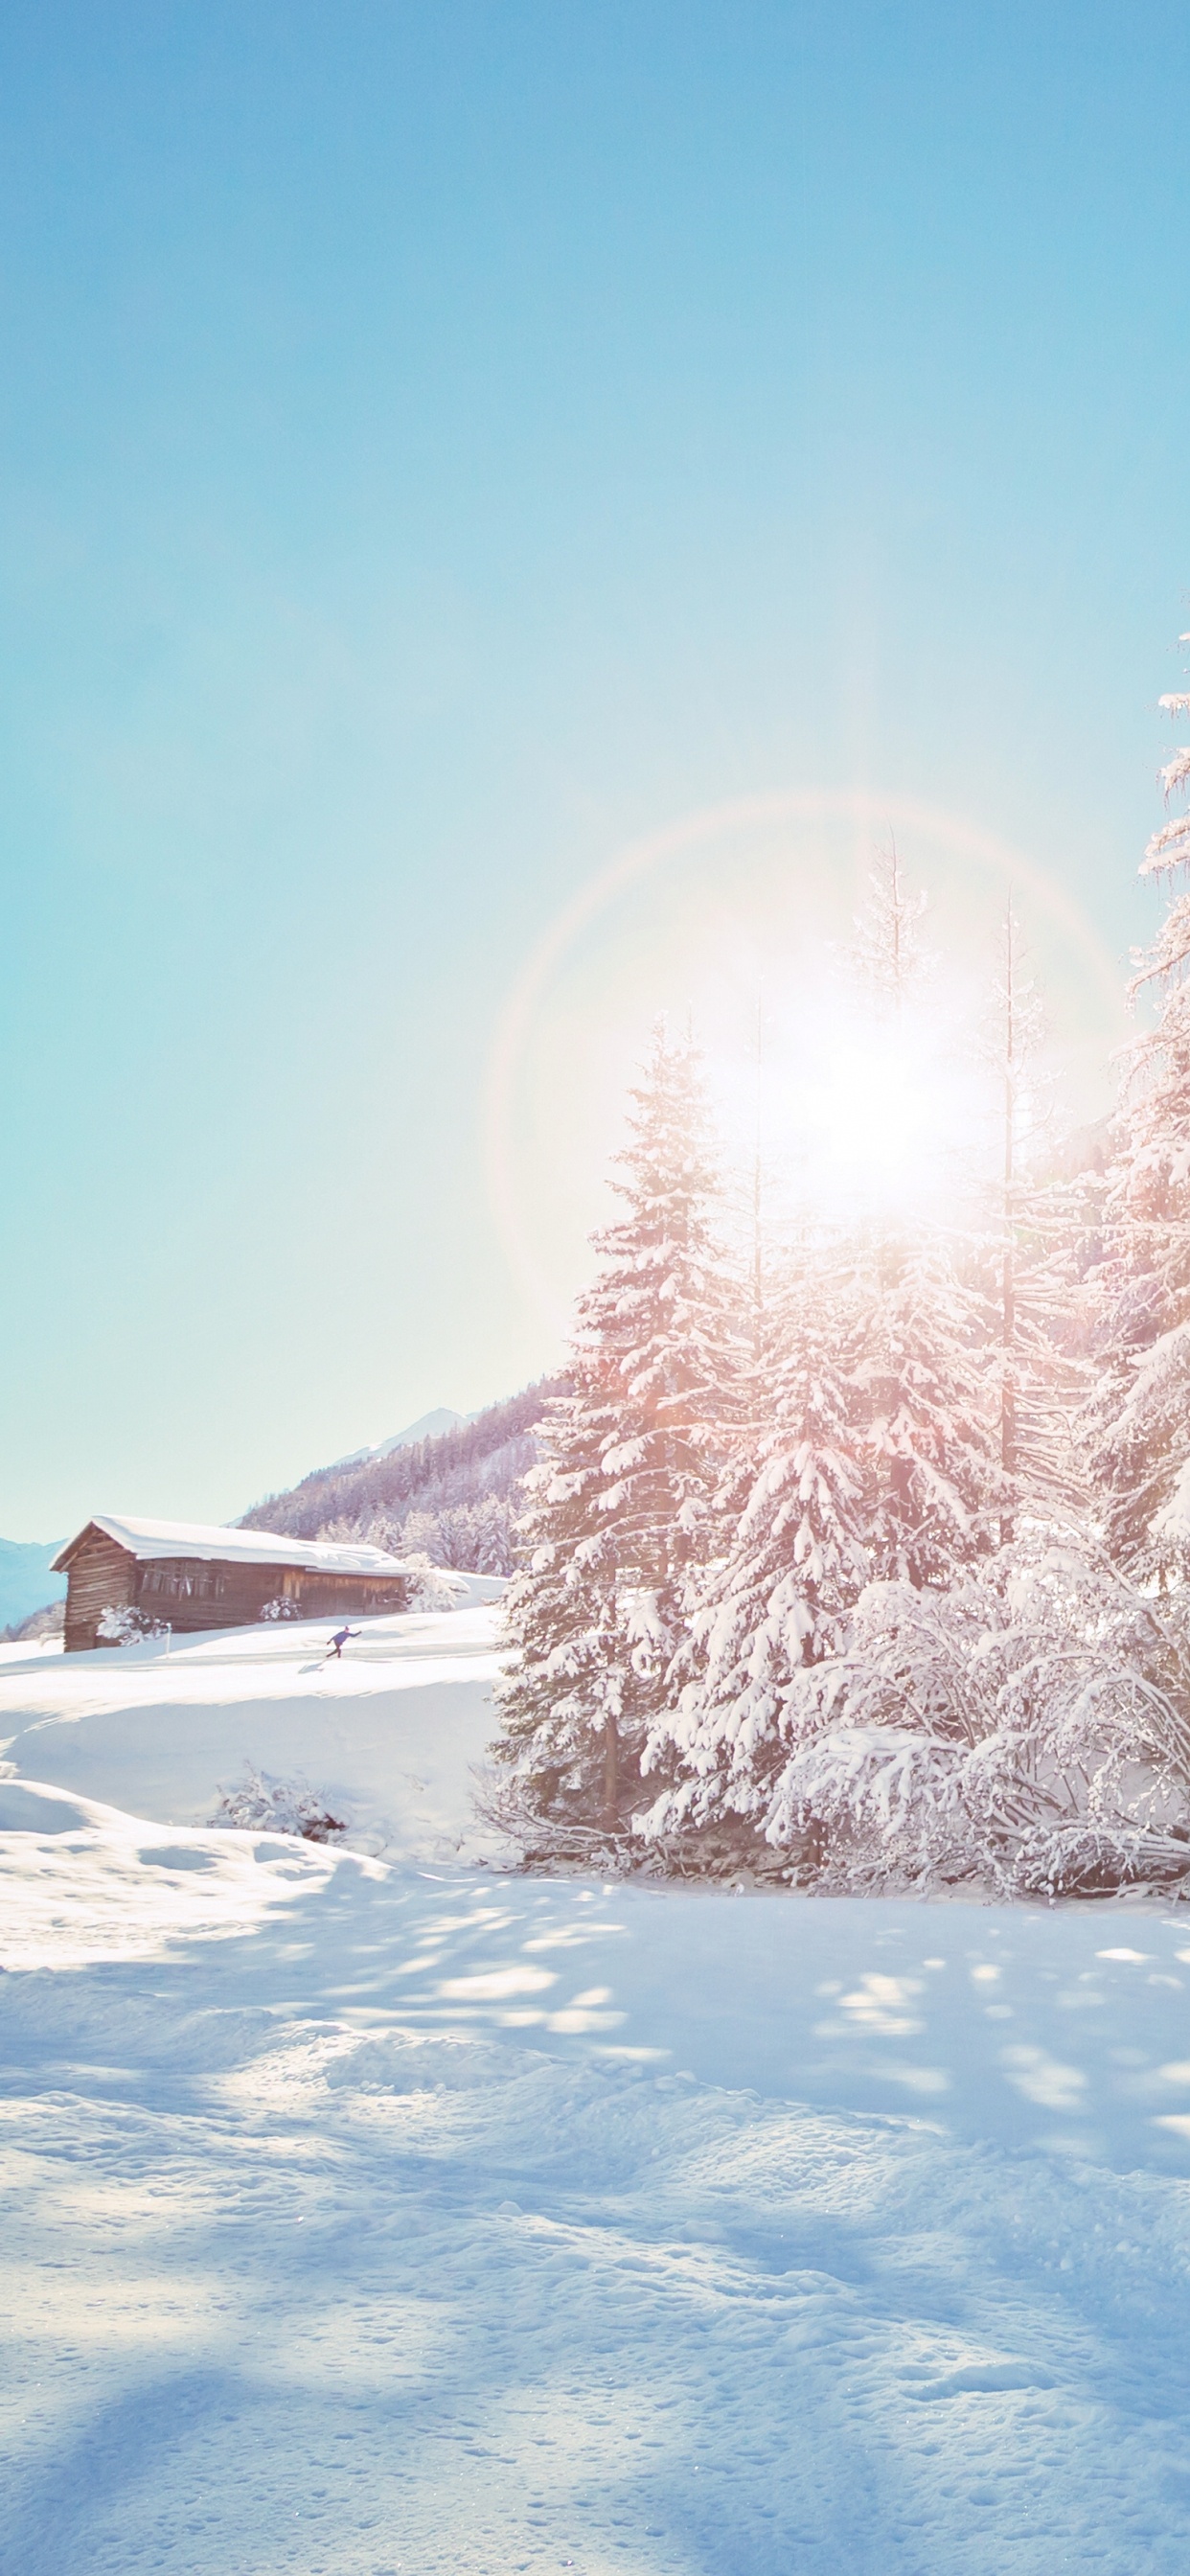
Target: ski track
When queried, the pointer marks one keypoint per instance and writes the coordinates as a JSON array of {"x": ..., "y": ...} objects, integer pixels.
[{"x": 370, "y": 2219}]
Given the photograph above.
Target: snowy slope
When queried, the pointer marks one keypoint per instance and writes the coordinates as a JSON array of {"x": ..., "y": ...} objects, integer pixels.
[
  {"x": 386, "y": 1737},
  {"x": 429, "y": 1426},
  {"x": 369, "y": 2216}
]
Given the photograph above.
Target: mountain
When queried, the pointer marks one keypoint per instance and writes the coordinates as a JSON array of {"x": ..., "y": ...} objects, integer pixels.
[
  {"x": 429, "y": 1426},
  {"x": 449, "y": 1494},
  {"x": 25, "y": 1580}
]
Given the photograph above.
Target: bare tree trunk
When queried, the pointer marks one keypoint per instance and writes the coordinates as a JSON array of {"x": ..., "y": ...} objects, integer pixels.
[{"x": 611, "y": 1774}]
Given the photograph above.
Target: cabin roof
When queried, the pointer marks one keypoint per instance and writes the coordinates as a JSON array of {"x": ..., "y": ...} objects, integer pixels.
[{"x": 146, "y": 1539}]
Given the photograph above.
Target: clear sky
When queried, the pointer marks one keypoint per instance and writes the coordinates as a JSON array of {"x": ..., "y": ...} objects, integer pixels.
[{"x": 439, "y": 446}]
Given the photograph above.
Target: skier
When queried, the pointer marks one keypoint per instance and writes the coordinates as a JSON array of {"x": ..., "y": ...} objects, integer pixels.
[{"x": 339, "y": 1640}]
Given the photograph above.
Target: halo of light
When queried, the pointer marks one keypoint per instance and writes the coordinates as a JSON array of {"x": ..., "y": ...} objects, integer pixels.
[{"x": 870, "y": 813}]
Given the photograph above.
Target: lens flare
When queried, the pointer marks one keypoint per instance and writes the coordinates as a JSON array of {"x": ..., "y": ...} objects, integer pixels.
[
  {"x": 698, "y": 915},
  {"x": 878, "y": 1120}
]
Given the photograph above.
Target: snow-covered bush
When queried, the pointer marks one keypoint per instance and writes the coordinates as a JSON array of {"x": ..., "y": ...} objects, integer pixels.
[
  {"x": 430, "y": 1586},
  {"x": 282, "y": 1606},
  {"x": 259, "y": 1802},
  {"x": 122, "y": 1625},
  {"x": 1029, "y": 1727}
]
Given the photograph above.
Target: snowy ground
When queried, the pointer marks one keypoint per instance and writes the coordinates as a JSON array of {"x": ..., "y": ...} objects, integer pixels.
[
  {"x": 387, "y": 1736},
  {"x": 391, "y": 2214}
]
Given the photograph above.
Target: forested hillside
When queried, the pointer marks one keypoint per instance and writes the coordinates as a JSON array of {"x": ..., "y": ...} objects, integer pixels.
[{"x": 453, "y": 1498}]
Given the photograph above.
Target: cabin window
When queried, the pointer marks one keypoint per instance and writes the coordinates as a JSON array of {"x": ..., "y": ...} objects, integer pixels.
[{"x": 184, "y": 1583}]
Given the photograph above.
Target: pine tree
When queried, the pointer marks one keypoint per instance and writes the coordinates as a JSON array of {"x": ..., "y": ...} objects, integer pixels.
[
  {"x": 887, "y": 960},
  {"x": 620, "y": 1510},
  {"x": 1029, "y": 1258},
  {"x": 780, "y": 1599},
  {"x": 1139, "y": 1423},
  {"x": 925, "y": 1424},
  {"x": 875, "y": 1455},
  {"x": 930, "y": 1431}
]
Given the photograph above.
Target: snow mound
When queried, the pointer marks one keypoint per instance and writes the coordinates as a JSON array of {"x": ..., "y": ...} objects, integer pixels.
[
  {"x": 384, "y": 1741},
  {"x": 81, "y": 1882}
]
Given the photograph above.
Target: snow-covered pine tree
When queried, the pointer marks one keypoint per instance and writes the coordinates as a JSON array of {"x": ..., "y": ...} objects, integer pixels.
[
  {"x": 904, "y": 1453},
  {"x": 781, "y": 1598},
  {"x": 567, "y": 1698},
  {"x": 875, "y": 1456},
  {"x": 1030, "y": 1241},
  {"x": 930, "y": 1422},
  {"x": 931, "y": 1427},
  {"x": 856, "y": 1737},
  {"x": 1139, "y": 1420},
  {"x": 619, "y": 1512},
  {"x": 888, "y": 963}
]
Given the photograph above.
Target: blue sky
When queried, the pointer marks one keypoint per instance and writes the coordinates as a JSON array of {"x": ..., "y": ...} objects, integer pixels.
[{"x": 437, "y": 447}]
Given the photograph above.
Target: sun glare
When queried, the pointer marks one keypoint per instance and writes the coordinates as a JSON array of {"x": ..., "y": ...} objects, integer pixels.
[
  {"x": 754, "y": 905},
  {"x": 877, "y": 1119}
]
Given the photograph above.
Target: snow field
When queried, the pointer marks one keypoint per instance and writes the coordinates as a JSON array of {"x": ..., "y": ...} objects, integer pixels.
[
  {"x": 388, "y": 1736},
  {"x": 392, "y": 2217},
  {"x": 80, "y": 1882},
  {"x": 301, "y": 2295}
]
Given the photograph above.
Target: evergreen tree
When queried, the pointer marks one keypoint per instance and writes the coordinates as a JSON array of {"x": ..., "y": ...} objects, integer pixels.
[
  {"x": 874, "y": 1456},
  {"x": 1031, "y": 1251},
  {"x": 928, "y": 1423},
  {"x": 888, "y": 962},
  {"x": 780, "y": 1599},
  {"x": 621, "y": 1509},
  {"x": 929, "y": 1409},
  {"x": 1139, "y": 1422}
]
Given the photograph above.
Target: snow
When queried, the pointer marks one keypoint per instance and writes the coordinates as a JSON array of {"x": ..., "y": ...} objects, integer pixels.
[
  {"x": 429, "y": 1426},
  {"x": 1173, "y": 1520},
  {"x": 386, "y": 1737},
  {"x": 148, "y": 1539},
  {"x": 388, "y": 2213}
]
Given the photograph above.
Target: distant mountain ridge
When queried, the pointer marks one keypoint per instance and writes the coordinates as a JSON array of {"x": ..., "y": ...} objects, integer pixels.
[
  {"x": 451, "y": 1495},
  {"x": 26, "y": 1583},
  {"x": 429, "y": 1426}
]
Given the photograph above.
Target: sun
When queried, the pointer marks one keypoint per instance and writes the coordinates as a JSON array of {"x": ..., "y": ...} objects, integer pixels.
[
  {"x": 742, "y": 905},
  {"x": 878, "y": 1118}
]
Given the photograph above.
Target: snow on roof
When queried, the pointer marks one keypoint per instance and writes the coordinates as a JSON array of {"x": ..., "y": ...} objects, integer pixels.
[{"x": 146, "y": 1539}]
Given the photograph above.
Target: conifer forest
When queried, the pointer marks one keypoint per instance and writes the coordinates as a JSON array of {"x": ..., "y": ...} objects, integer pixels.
[{"x": 856, "y": 1553}]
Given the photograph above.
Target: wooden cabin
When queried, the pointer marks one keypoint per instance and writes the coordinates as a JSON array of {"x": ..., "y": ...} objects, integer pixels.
[{"x": 189, "y": 1576}]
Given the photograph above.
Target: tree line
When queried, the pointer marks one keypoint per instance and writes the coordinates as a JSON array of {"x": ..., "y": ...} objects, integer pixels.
[
  {"x": 861, "y": 1561},
  {"x": 452, "y": 1498}
]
